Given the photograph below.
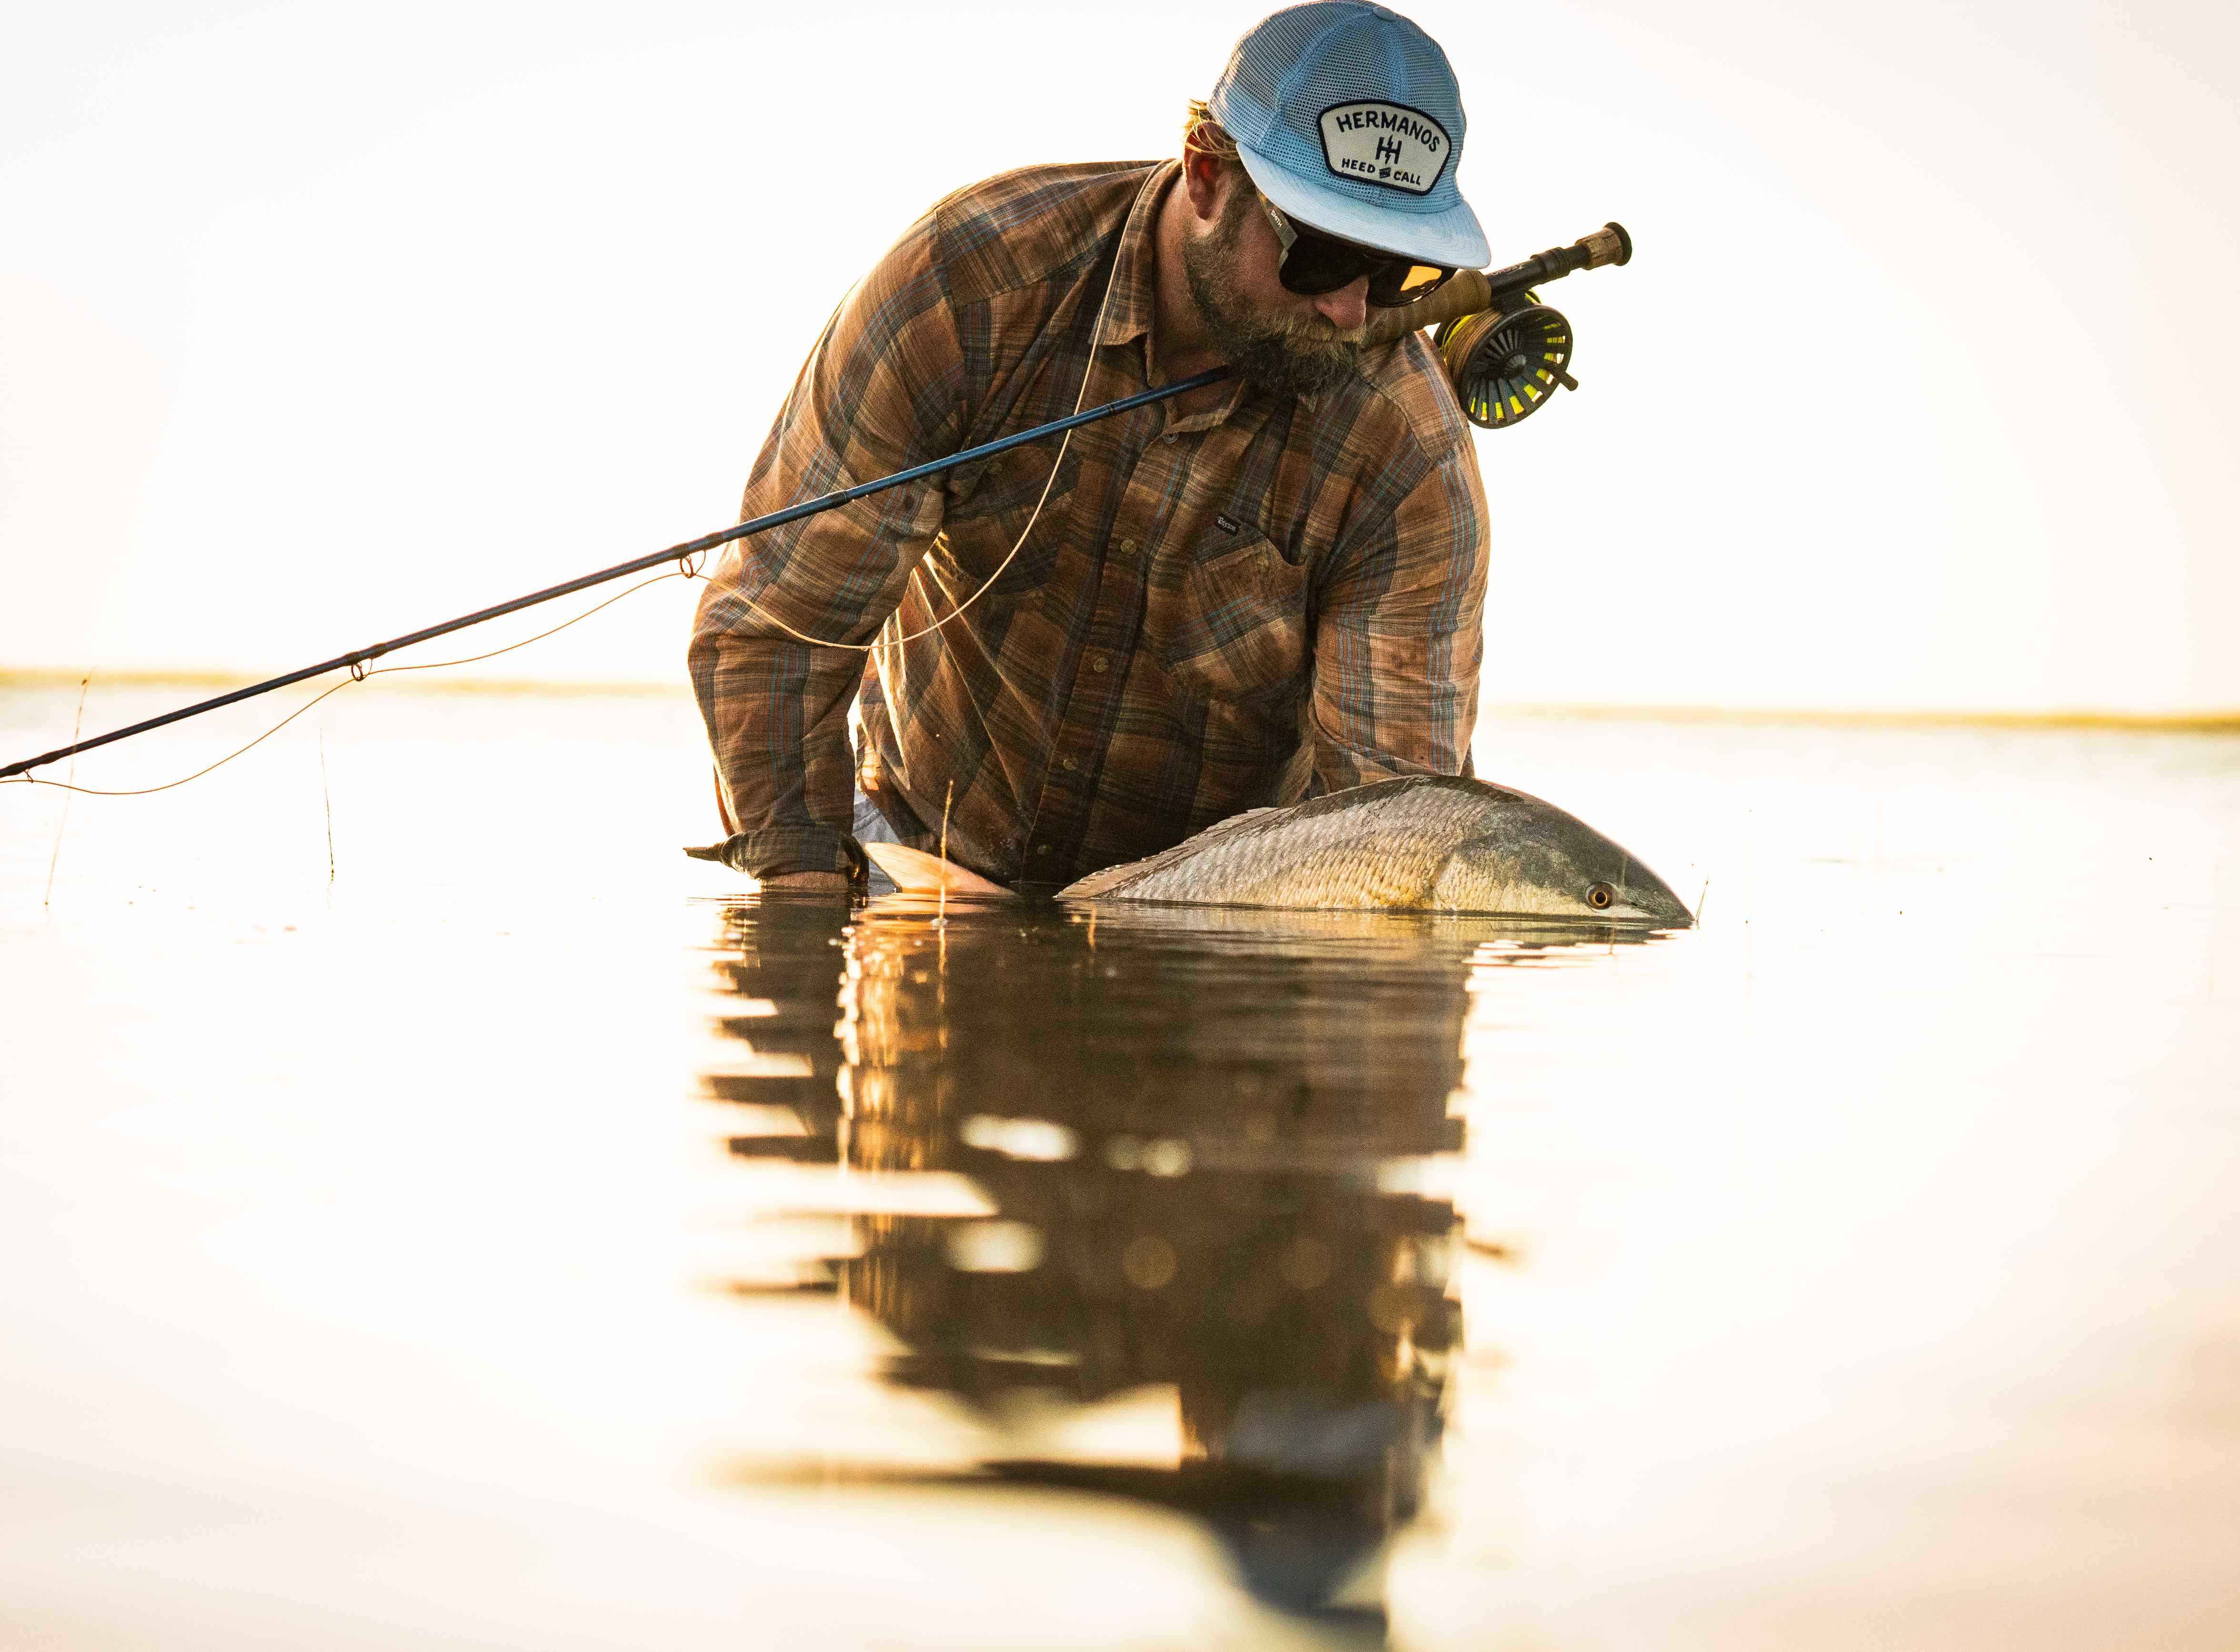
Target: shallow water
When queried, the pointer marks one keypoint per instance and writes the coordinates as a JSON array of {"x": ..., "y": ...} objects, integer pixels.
[{"x": 520, "y": 1238}]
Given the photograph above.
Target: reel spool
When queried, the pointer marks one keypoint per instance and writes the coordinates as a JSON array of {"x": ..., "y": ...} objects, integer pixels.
[
  {"x": 1504, "y": 364},
  {"x": 1504, "y": 351}
]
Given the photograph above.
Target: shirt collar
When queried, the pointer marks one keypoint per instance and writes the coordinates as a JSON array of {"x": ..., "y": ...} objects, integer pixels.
[
  {"x": 1135, "y": 269},
  {"x": 1135, "y": 304}
]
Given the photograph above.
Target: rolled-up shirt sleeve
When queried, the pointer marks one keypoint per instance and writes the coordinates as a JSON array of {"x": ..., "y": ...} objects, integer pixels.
[
  {"x": 1399, "y": 636},
  {"x": 881, "y": 391}
]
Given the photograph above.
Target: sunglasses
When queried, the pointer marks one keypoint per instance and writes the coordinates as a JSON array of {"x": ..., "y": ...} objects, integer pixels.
[{"x": 1315, "y": 264}]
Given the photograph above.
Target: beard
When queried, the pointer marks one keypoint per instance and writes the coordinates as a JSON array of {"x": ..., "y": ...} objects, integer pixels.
[{"x": 1287, "y": 355}]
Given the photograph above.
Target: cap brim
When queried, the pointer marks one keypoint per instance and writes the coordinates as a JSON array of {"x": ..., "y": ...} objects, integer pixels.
[{"x": 1452, "y": 237}]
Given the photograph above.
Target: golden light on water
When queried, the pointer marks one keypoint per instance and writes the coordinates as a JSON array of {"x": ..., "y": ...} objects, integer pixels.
[{"x": 447, "y": 1250}]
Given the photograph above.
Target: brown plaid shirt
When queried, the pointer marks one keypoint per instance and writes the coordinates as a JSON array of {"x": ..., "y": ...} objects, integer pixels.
[{"x": 1277, "y": 598}]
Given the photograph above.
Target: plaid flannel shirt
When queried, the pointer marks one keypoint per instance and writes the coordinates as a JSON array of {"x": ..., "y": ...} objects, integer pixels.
[{"x": 1278, "y": 597}]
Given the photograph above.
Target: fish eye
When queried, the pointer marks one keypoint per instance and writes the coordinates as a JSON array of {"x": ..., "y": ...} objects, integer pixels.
[{"x": 1602, "y": 896}]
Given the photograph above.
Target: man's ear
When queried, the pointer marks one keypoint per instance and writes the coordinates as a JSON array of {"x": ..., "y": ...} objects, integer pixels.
[{"x": 1202, "y": 177}]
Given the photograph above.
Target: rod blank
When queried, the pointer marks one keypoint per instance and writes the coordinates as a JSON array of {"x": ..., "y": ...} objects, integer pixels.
[
  {"x": 1467, "y": 293},
  {"x": 356, "y": 659}
]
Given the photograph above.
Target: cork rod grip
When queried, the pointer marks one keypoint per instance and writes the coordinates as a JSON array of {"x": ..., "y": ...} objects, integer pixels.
[
  {"x": 1467, "y": 294},
  {"x": 1474, "y": 291}
]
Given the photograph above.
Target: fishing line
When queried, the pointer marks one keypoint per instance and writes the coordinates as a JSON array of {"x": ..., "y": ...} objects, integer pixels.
[
  {"x": 1080, "y": 401},
  {"x": 77, "y": 725},
  {"x": 477, "y": 659},
  {"x": 358, "y": 674},
  {"x": 327, "y": 802}
]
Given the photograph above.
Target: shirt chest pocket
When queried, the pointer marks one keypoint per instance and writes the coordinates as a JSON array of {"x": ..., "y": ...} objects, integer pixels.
[{"x": 1235, "y": 621}]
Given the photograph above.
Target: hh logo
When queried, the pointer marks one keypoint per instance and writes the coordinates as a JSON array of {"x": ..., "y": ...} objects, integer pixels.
[{"x": 1387, "y": 145}]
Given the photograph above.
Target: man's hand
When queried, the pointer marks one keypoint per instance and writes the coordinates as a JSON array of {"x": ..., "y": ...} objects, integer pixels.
[{"x": 809, "y": 883}]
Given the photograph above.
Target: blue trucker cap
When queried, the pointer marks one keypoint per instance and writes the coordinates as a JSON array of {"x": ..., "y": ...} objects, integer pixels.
[{"x": 1349, "y": 119}]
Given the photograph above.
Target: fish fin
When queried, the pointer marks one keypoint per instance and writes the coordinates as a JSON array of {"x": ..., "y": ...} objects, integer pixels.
[
  {"x": 1098, "y": 882},
  {"x": 1112, "y": 877},
  {"x": 915, "y": 872},
  {"x": 712, "y": 852}
]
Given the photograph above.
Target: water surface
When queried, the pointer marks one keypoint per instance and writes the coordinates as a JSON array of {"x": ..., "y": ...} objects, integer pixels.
[{"x": 525, "y": 1237}]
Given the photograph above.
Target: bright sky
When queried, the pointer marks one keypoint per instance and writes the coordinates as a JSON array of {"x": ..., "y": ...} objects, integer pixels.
[{"x": 321, "y": 323}]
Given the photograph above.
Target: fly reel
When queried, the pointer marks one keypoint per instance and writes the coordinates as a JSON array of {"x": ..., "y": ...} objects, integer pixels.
[
  {"x": 1504, "y": 364},
  {"x": 1504, "y": 351}
]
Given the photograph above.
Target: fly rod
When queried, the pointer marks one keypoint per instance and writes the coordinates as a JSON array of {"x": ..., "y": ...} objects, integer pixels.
[
  {"x": 356, "y": 659},
  {"x": 1505, "y": 353}
]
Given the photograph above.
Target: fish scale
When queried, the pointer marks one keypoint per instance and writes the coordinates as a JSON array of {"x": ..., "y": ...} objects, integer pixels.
[
  {"x": 1279, "y": 856},
  {"x": 1415, "y": 843}
]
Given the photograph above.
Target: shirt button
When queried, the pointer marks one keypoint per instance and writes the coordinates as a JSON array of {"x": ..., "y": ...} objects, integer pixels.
[
  {"x": 1172, "y": 440},
  {"x": 1042, "y": 849},
  {"x": 1098, "y": 663},
  {"x": 1128, "y": 547},
  {"x": 1068, "y": 764}
]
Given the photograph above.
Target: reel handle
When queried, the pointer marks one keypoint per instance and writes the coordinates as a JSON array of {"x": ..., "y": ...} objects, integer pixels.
[{"x": 1475, "y": 290}]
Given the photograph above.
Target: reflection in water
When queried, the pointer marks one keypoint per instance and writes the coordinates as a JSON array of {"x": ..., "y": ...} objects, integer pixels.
[
  {"x": 1879, "y": 1234},
  {"x": 1194, "y": 1128}
]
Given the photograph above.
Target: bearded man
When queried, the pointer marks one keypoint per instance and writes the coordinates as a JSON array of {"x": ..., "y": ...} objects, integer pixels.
[{"x": 1081, "y": 651}]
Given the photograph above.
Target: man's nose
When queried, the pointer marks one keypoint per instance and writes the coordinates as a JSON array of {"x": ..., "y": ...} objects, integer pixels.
[{"x": 1348, "y": 308}]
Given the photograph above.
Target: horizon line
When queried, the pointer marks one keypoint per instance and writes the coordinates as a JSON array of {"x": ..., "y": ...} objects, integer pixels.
[{"x": 2206, "y": 723}]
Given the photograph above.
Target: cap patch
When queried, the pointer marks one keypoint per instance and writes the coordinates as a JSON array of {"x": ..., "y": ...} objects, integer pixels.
[{"x": 1387, "y": 145}]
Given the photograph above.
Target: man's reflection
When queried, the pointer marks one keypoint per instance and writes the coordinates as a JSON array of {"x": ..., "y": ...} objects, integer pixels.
[{"x": 1195, "y": 1129}]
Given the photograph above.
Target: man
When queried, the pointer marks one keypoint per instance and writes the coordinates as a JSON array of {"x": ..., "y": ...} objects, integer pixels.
[{"x": 1269, "y": 588}]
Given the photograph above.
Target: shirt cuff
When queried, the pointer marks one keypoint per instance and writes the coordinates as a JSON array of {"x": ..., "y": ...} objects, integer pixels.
[{"x": 773, "y": 851}]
